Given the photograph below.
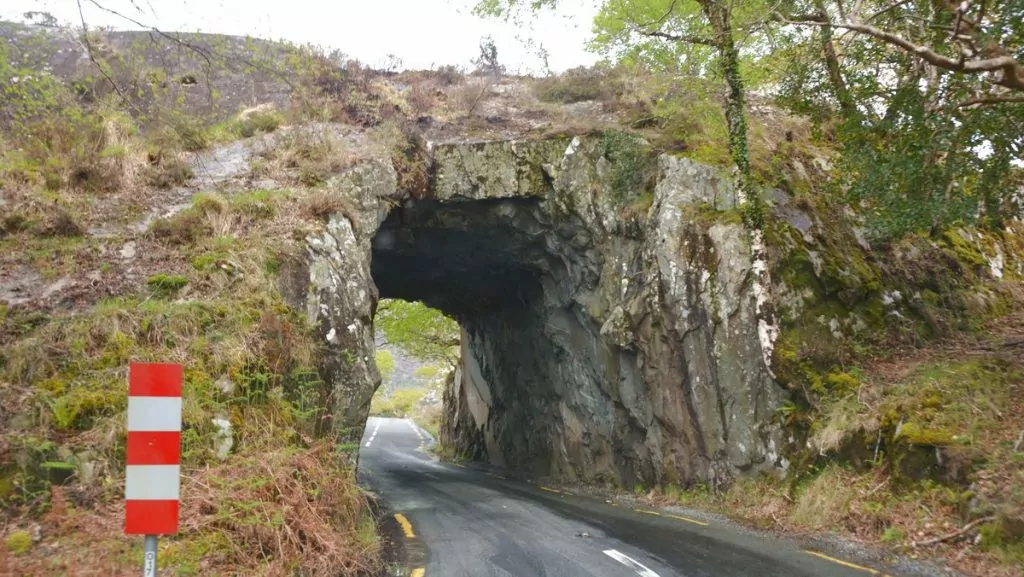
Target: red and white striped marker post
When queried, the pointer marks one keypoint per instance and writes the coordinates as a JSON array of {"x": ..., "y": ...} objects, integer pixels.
[{"x": 152, "y": 483}]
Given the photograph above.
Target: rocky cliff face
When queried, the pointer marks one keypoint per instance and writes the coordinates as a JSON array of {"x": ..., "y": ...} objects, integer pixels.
[{"x": 606, "y": 297}]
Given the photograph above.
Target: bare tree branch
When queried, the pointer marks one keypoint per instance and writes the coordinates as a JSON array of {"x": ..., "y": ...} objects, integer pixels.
[
  {"x": 1010, "y": 73},
  {"x": 689, "y": 38},
  {"x": 173, "y": 38},
  {"x": 892, "y": 6},
  {"x": 660, "y": 21},
  {"x": 90, "y": 52},
  {"x": 205, "y": 54},
  {"x": 989, "y": 101},
  {"x": 956, "y": 534}
]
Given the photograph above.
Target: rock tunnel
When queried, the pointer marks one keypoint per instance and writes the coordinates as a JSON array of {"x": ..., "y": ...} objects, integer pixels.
[
  {"x": 609, "y": 335},
  {"x": 507, "y": 273}
]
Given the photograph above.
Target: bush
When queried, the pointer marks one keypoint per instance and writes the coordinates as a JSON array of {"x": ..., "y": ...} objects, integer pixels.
[
  {"x": 183, "y": 228},
  {"x": 260, "y": 120},
  {"x": 166, "y": 171},
  {"x": 300, "y": 509},
  {"x": 79, "y": 149},
  {"x": 575, "y": 85},
  {"x": 40, "y": 219},
  {"x": 449, "y": 75},
  {"x": 192, "y": 134}
]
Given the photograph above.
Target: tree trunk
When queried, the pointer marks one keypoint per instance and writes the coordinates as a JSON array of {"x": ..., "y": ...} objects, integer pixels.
[
  {"x": 835, "y": 74},
  {"x": 717, "y": 12}
]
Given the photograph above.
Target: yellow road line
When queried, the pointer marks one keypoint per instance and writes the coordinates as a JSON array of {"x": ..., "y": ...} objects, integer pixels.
[
  {"x": 406, "y": 526},
  {"x": 549, "y": 489},
  {"x": 418, "y": 572},
  {"x": 648, "y": 512},
  {"x": 458, "y": 465},
  {"x": 496, "y": 476},
  {"x": 687, "y": 519},
  {"x": 843, "y": 563}
]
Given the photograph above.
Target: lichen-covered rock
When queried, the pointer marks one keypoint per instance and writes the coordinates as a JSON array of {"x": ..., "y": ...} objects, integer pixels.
[{"x": 340, "y": 296}]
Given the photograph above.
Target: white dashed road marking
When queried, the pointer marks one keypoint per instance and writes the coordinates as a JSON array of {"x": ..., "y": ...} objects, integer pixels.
[
  {"x": 415, "y": 429},
  {"x": 373, "y": 435},
  {"x": 633, "y": 564}
]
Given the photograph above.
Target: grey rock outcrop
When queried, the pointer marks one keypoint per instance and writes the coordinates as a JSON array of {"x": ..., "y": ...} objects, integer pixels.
[{"x": 606, "y": 298}]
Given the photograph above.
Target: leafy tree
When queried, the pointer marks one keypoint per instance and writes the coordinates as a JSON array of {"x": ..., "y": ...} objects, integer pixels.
[
  {"x": 385, "y": 363},
  {"x": 421, "y": 331},
  {"x": 973, "y": 38},
  {"x": 930, "y": 115},
  {"x": 434, "y": 375}
]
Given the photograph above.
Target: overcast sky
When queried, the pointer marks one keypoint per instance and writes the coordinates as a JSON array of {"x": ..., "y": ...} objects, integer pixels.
[{"x": 422, "y": 33}]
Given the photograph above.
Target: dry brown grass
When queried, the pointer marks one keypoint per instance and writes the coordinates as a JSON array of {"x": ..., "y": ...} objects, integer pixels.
[
  {"x": 464, "y": 99},
  {"x": 266, "y": 514},
  {"x": 307, "y": 156},
  {"x": 278, "y": 513},
  {"x": 166, "y": 169},
  {"x": 321, "y": 204}
]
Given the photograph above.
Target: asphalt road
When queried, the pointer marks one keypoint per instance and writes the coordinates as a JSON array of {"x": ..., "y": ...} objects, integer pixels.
[{"x": 466, "y": 522}]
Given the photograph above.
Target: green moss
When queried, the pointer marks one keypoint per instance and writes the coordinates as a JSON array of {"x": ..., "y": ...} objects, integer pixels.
[
  {"x": 707, "y": 215},
  {"x": 841, "y": 383},
  {"x": 893, "y": 534},
  {"x": 166, "y": 285},
  {"x": 209, "y": 260},
  {"x": 916, "y": 434},
  {"x": 964, "y": 250},
  {"x": 209, "y": 203},
  {"x": 187, "y": 555},
  {"x": 81, "y": 404},
  {"x": 18, "y": 542}
]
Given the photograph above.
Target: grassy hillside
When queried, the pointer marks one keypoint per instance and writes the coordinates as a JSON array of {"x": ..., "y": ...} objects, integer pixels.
[{"x": 151, "y": 209}]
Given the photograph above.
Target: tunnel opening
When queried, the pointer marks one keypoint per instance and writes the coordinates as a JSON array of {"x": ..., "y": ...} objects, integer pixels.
[
  {"x": 416, "y": 352},
  {"x": 536, "y": 387}
]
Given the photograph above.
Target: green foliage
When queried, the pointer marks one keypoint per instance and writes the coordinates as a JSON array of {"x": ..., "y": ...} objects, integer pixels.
[
  {"x": 434, "y": 374},
  {"x": 385, "y": 363},
  {"x": 893, "y": 535},
  {"x": 918, "y": 168},
  {"x": 400, "y": 403},
  {"x": 258, "y": 204},
  {"x": 421, "y": 331},
  {"x": 260, "y": 120},
  {"x": 915, "y": 153},
  {"x": 633, "y": 165}
]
